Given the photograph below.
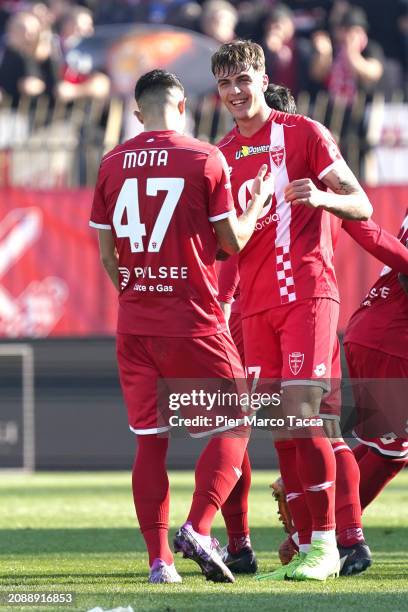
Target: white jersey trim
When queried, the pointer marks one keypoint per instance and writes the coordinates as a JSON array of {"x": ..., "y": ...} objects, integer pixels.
[
  {"x": 284, "y": 270},
  {"x": 337, "y": 162},
  {"x": 99, "y": 225},
  {"x": 382, "y": 451},
  {"x": 147, "y": 432},
  {"x": 221, "y": 216}
]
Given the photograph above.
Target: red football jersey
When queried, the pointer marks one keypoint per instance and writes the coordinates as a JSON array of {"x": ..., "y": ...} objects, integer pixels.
[
  {"x": 159, "y": 194},
  {"x": 290, "y": 255},
  {"x": 381, "y": 321}
]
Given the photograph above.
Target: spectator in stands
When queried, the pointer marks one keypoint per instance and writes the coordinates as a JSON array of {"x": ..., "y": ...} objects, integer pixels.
[
  {"x": 186, "y": 15},
  {"x": 43, "y": 14},
  {"x": 287, "y": 57},
  {"x": 355, "y": 63},
  {"x": 132, "y": 11},
  {"x": 218, "y": 20},
  {"x": 47, "y": 48},
  {"x": 309, "y": 15},
  {"x": 79, "y": 79},
  {"x": 403, "y": 40},
  {"x": 75, "y": 24},
  {"x": 27, "y": 66}
]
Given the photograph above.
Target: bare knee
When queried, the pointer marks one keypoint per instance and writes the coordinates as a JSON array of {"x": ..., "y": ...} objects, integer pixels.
[{"x": 302, "y": 401}]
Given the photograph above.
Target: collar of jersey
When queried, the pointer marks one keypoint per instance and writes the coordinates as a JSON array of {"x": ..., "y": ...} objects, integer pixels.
[
  {"x": 256, "y": 134},
  {"x": 160, "y": 133}
]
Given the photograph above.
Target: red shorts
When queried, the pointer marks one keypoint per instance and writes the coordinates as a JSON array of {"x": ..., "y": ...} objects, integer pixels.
[
  {"x": 150, "y": 367},
  {"x": 380, "y": 388},
  {"x": 293, "y": 342}
]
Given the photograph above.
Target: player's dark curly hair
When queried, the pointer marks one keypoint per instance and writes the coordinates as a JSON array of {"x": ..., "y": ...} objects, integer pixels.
[
  {"x": 280, "y": 98},
  {"x": 156, "y": 82}
]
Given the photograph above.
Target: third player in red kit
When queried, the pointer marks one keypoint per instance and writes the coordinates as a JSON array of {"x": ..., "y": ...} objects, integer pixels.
[
  {"x": 376, "y": 346},
  {"x": 288, "y": 291}
]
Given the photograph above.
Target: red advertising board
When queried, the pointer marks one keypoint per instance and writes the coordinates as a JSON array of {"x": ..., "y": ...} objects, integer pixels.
[
  {"x": 51, "y": 279},
  {"x": 52, "y": 282}
]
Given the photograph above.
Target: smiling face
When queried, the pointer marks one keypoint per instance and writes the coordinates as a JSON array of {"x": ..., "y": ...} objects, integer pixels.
[{"x": 242, "y": 91}]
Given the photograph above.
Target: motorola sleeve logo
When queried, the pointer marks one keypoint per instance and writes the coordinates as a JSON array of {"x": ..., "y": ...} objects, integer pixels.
[
  {"x": 244, "y": 195},
  {"x": 264, "y": 219}
]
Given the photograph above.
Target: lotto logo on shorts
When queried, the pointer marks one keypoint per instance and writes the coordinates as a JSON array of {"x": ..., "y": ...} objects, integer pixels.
[
  {"x": 285, "y": 275},
  {"x": 320, "y": 370},
  {"x": 296, "y": 362}
]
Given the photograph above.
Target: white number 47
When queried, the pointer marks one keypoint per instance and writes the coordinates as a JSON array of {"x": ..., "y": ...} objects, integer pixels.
[{"x": 128, "y": 200}]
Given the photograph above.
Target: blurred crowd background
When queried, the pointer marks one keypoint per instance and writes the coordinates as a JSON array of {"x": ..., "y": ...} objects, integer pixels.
[
  {"x": 339, "y": 58},
  {"x": 335, "y": 45}
]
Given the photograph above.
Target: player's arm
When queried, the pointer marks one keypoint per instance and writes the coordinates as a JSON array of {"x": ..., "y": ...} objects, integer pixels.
[
  {"x": 348, "y": 200},
  {"x": 323, "y": 159},
  {"x": 101, "y": 222},
  {"x": 403, "y": 278},
  {"x": 228, "y": 280},
  {"x": 233, "y": 233},
  {"x": 379, "y": 243},
  {"x": 108, "y": 255}
]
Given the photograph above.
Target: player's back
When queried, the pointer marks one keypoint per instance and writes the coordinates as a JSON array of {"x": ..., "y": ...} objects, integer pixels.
[
  {"x": 159, "y": 193},
  {"x": 381, "y": 321}
]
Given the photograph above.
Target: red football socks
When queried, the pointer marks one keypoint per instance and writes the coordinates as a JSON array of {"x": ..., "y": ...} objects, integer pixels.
[
  {"x": 235, "y": 510},
  {"x": 217, "y": 472},
  {"x": 151, "y": 495},
  {"x": 376, "y": 471},
  {"x": 316, "y": 468},
  {"x": 348, "y": 509},
  {"x": 295, "y": 496}
]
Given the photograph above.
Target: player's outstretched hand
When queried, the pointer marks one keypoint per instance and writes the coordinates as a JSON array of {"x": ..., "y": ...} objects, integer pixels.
[
  {"x": 263, "y": 186},
  {"x": 304, "y": 191}
]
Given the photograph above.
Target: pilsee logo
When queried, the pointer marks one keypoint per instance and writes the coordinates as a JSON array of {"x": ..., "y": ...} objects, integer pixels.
[
  {"x": 125, "y": 275},
  {"x": 277, "y": 155},
  {"x": 320, "y": 370},
  {"x": 246, "y": 151},
  {"x": 296, "y": 362}
]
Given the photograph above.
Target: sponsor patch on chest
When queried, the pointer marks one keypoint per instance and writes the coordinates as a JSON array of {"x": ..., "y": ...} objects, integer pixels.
[{"x": 246, "y": 151}]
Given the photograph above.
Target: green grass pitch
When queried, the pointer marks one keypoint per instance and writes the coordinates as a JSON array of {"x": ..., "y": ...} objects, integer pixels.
[{"x": 76, "y": 532}]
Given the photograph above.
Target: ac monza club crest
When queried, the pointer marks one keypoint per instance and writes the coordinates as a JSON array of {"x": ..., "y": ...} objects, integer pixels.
[
  {"x": 296, "y": 362},
  {"x": 277, "y": 155}
]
